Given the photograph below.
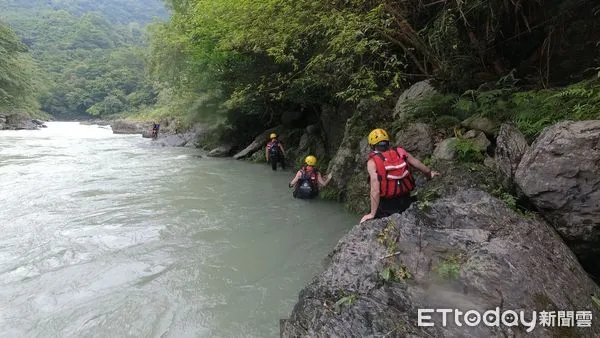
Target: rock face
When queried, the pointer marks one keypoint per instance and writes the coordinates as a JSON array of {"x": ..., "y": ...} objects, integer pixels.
[
  {"x": 560, "y": 174},
  {"x": 186, "y": 139},
  {"x": 416, "y": 139},
  {"x": 468, "y": 251},
  {"x": 130, "y": 127},
  {"x": 332, "y": 119},
  {"x": 511, "y": 145},
  {"x": 351, "y": 156},
  {"x": 415, "y": 92}
]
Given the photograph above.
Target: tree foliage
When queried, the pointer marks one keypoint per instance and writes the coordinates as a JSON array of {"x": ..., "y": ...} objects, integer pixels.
[
  {"x": 18, "y": 82},
  {"x": 92, "y": 64},
  {"x": 259, "y": 58}
]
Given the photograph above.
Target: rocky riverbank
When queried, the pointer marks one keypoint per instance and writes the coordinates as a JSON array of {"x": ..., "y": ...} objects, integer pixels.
[
  {"x": 511, "y": 223},
  {"x": 19, "y": 121}
]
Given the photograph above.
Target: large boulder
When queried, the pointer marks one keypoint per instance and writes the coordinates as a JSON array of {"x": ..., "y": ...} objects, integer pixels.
[
  {"x": 560, "y": 174},
  {"x": 183, "y": 139},
  {"x": 467, "y": 251},
  {"x": 416, "y": 138},
  {"x": 129, "y": 126},
  {"x": 17, "y": 121},
  {"x": 221, "y": 151},
  {"x": 415, "y": 92},
  {"x": 511, "y": 145}
]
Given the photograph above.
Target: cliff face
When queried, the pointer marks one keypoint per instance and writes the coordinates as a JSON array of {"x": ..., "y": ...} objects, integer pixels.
[{"x": 465, "y": 251}]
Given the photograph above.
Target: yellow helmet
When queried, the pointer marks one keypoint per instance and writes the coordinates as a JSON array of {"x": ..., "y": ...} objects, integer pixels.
[
  {"x": 272, "y": 136},
  {"x": 378, "y": 135},
  {"x": 310, "y": 160}
]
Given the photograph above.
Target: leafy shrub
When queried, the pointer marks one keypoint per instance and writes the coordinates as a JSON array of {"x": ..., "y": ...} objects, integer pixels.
[{"x": 468, "y": 151}]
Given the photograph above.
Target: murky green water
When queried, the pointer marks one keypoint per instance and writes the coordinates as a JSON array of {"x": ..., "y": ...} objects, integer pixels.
[{"x": 105, "y": 235}]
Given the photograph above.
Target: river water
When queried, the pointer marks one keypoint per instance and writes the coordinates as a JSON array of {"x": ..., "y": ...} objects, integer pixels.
[{"x": 108, "y": 236}]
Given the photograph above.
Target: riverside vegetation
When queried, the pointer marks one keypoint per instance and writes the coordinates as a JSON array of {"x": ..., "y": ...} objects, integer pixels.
[{"x": 480, "y": 89}]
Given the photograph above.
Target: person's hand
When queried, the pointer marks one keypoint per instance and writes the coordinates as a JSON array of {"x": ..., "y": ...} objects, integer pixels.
[
  {"x": 329, "y": 176},
  {"x": 433, "y": 174},
  {"x": 290, "y": 185},
  {"x": 367, "y": 217}
]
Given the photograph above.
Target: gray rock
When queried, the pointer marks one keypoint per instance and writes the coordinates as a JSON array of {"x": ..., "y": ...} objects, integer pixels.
[
  {"x": 416, "y": 139},
  {"x": 146, "y": 133},
  {"x": 479, "y": 138},
  {"x": 468, "y": 251},
  {"x": 351, "y": 156},
  {"x": 130, "y": 126},
  {"x": 259, "y": 142},
  {"x": 511, "y": 145},
  {"x": 333, "y": 120},
  {"x": 482, "y": 124},
  {"x": 415, "y": 92},
  {"x": 445, "y": 150},
  {"x": 186, "y": 139},
  {"x": 221, "y": 151},
  {"x": 38, "y": 122},
  {"x": 560, "y": 174}
]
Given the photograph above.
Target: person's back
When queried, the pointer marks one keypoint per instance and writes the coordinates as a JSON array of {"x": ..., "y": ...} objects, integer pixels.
[
  {"x": 274, "y": 152},
  {"x": 390, "y": 178},
  {"x": 308, "y": 179},
  {"x": 308, "y": 185}
]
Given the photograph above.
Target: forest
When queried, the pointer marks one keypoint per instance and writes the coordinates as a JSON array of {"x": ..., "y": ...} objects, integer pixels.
[
  {"x": 252, "y": 62},
  {"x": 88, "y": 56}
]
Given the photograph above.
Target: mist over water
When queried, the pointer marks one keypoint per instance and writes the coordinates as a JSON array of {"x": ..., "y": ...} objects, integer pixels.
[{"x": 107, "y": 235}]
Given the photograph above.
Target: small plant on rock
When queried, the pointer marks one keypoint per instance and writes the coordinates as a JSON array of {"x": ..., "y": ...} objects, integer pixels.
[
  {"x": 344, "y": 301},
  {"x": 449, "y": 268}
]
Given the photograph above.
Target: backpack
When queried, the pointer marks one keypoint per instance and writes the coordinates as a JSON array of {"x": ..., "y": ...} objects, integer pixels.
[
  {"x": 308, "y": 184},
  {"x": 395, "y": 178},
  {"x": 273, "y": 147}
]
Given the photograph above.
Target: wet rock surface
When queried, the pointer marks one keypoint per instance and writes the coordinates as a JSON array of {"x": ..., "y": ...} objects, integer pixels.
[{"x": 467, "y": 251}]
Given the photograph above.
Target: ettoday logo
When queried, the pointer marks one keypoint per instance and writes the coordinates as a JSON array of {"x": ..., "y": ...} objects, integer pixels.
[{"x": 508, "y": 318}]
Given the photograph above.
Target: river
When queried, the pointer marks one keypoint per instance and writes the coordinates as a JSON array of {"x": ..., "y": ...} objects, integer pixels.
[{"x": 108, "y": 236}]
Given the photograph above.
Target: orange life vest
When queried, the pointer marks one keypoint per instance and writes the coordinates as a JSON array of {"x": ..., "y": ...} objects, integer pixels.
[{"x": 395, "y": 178}]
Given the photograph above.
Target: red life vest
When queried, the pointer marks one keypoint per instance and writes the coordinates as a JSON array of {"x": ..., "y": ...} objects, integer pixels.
[
  {"x": 310, "y": 173},
  {"x": 395, "y": 178},
  {"x": 273, "y": 146}
]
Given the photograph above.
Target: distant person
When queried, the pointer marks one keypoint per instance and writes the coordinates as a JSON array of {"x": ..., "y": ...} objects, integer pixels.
[
  {"x": 275, "y": 152},
  {"x": 390, "y": 178},
  {"x": 308, "y": 180},
  {"x": 155, "y": 128}
]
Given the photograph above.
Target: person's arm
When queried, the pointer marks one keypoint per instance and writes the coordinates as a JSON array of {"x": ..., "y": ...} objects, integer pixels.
[
  {"x": 295, "y": 180},
  {"x": 374, "y": 183},
  {"x": 282, "y": 150},
  {"x": 323, "y": 182},
  {"x": 420, "y": 166},
  {"x": 267, "y": 153}
]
